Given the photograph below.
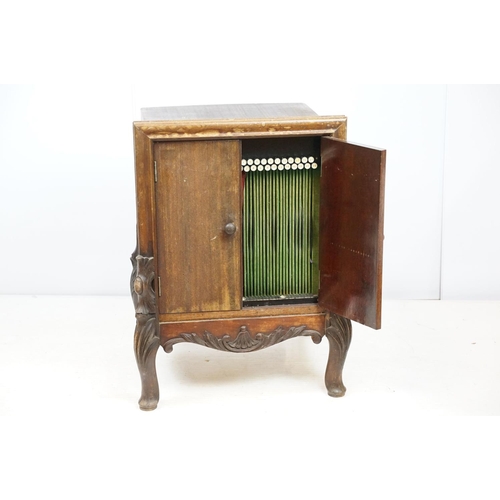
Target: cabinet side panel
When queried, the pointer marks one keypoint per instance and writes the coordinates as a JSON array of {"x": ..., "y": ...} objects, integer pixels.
[
  {"x": 144, "y": 182},
  {"x": 351, "y": 230},
  {"x": 197, "y": 194}
]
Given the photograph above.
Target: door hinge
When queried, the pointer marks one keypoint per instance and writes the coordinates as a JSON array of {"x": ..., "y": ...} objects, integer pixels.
[
  {"x": 156, "y": 173},
  {"x": 159, "y": 286}
]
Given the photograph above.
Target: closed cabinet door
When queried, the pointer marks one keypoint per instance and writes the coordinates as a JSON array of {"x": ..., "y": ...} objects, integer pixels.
[{"x": 198, "y": 237}]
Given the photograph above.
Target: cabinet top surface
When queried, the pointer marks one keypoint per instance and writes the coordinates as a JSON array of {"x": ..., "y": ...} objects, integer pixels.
[{"x": 227, "y": 111}]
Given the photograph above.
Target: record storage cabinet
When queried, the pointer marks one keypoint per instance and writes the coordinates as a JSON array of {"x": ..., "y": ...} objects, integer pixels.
[{"x": 255, "y": 224}]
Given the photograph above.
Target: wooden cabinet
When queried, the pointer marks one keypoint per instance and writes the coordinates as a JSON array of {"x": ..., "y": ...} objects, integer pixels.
[{"x": 255, "y": 224}]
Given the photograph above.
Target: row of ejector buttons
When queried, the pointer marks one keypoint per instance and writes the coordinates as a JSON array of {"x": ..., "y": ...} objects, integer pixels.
[{"x": 291, "y": 163}]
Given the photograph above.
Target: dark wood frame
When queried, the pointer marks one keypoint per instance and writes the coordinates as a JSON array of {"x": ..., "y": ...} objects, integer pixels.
[{"x": 247, "y": 329}]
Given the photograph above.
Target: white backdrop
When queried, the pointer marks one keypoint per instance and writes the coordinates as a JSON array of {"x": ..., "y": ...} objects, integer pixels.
[{"x": 67, "y": 209}]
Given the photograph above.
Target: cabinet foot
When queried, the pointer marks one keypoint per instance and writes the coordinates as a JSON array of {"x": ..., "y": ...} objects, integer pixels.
[{"x": 339, "y": 332}]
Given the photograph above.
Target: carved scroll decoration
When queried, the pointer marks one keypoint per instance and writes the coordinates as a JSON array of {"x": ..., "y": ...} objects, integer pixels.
[
  {"x": 244, "y": 342},
  {"x": 141, "y": 284},
  {"x": 146, "y": 339},
  {"x": 339, "y": 330}
]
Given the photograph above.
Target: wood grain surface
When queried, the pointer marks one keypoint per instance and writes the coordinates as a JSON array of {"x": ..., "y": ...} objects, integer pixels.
[
  {"x": 351, "y": 231},
  {"x": 197, "y": 194}
]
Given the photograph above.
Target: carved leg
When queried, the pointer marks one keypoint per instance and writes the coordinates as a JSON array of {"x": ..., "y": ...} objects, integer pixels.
[
  {"x": 146, "y": 343},
  {"x": 146, "y": 339},
  {"x": 338, "y": 332}
]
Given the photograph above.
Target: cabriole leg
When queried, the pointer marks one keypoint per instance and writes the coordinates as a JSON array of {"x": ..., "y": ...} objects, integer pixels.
[
  {"x": 146, "y": 345},
  {"x": 339, "y": 332},
  {"x": 146, "y": 338}
]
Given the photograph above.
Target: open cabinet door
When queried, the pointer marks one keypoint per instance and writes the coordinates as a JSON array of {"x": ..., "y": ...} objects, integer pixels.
[{"x": 351, "y": 230}]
